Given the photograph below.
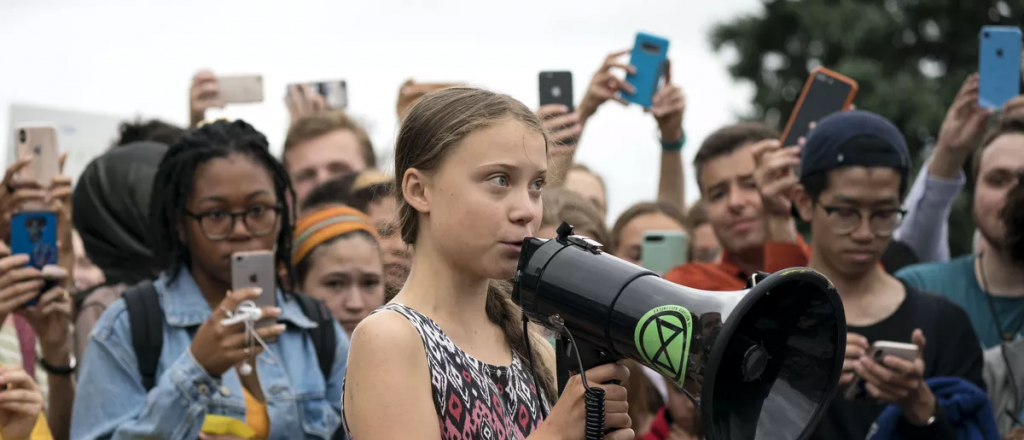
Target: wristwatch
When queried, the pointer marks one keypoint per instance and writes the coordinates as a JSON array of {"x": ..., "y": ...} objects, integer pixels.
[{"x": 60, "y": 371}]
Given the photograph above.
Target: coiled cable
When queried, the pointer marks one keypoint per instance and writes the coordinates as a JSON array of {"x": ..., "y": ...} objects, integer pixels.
[{"x": 593, "y": 399}]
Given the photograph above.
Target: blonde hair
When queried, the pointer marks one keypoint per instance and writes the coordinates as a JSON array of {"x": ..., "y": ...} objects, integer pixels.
[
  {"x": 564, "y": 205},
  {"x": 429, "y": 131}
]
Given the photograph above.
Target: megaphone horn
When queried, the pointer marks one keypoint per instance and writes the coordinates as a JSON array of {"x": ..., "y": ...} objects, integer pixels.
[{"x": 761, "y": 363}]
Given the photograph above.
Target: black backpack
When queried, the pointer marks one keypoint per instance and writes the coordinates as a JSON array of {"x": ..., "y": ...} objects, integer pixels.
[{"x": 146, "y": 319}]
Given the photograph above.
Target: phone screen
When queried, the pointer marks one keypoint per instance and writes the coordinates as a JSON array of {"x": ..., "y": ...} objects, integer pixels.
[{"x": 825, "y": 96}]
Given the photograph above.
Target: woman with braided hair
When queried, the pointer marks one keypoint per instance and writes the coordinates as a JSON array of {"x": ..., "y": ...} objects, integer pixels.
[{"x": 218, "y": 191}]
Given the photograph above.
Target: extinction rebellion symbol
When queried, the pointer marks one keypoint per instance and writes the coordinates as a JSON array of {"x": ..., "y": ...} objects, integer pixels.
[{"x": 663, "y": 339}]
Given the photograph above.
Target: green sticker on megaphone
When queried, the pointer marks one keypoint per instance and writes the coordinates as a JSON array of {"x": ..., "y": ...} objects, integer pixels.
[{"x": 663, "y": 339}]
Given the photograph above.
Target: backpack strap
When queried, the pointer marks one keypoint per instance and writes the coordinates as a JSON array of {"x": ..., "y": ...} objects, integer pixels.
[
  {"x": 146, "y": 319},
  {"x": 324, "y": 339}
]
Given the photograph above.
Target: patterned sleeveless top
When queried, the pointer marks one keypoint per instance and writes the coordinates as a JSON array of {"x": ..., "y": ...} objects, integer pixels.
[{"x": 474, "y": 400}]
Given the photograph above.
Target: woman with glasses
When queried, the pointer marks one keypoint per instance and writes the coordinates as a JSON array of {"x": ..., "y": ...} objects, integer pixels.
[{"x": 217, "y": 192}]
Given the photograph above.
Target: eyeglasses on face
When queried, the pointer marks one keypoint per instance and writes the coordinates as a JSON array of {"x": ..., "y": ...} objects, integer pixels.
[
  {"x": 217, "y": 224},
  {"x": 882, "y": 222}
]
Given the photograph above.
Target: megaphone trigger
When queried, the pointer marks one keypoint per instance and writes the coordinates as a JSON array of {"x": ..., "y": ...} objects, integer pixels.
[{"x": 754, "y": 364}]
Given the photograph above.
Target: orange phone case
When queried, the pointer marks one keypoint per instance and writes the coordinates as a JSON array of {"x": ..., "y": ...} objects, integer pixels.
[{"x": 807, "y": 86}]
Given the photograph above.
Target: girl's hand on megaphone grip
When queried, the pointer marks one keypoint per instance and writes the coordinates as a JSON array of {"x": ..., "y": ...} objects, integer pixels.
[{"x": 568, "y": 417}]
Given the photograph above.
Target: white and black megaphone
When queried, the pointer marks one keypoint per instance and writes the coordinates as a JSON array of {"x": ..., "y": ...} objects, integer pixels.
[{"x": 760, "y": 364}]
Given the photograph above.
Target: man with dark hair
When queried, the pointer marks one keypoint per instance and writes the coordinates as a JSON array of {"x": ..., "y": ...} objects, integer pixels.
[
  {"x": 322, "y": 146},
  {"x": 853, "y": 176},
  {"x": 153, "y": 130},
  {"x": 755, "y": 236}
]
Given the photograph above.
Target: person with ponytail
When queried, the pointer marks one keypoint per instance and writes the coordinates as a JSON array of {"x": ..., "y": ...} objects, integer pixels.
[
  {"x": 337, "y": 258},
  {"x": 217, "y": 192},
  {"x": 448, "y": 358}
]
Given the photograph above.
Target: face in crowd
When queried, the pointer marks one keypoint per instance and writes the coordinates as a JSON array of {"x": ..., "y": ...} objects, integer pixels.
[{"x": 324, "y": 146}]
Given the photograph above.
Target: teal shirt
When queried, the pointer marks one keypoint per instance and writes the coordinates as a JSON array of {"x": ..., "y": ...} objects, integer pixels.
[{"x": 956, "y": 281}]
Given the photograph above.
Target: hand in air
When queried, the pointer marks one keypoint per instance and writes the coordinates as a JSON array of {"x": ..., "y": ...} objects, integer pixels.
[
  {"x": 606, "y": 85},
  {"x": 204, "y": 94}
]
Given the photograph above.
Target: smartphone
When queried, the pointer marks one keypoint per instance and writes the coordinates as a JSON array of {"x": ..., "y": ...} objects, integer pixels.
[
  {"x": 824, "y": 93},
  {"x": 335, "y": 93},
  {"x": 39, "y": 143},
  {"x": 556, "y": 88},
  {"x": 998, "y": 66},
  {"x": 878, "y": 351},
  {"x": 241, "y": 89},
  {"x": 648, "y": 57},
  {"x": 662, "y": 251},
  {"x": 35, "y": 234},
  {"x": 256, "y": 269}
]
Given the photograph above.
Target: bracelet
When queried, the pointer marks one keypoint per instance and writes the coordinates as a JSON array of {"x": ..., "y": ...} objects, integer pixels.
[
  {"x": 59, "y": 371},
  {"x": 674, "y": 146}
]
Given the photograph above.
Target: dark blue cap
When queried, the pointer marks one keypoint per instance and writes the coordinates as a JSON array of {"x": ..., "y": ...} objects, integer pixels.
[{"x": 854, "y": 138}]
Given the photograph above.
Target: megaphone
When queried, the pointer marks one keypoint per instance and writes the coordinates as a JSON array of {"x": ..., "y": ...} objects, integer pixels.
[{"x": 761, "y": 363}]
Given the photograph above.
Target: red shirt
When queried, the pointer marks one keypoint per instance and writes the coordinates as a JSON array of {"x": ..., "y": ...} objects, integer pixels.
[{"x": 727, "y": 276}]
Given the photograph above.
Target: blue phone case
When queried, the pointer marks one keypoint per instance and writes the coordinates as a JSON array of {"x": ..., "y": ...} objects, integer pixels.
[
  {"x": 649, "y": 54},
  {"x": 35, "y": 234},
  {"x": 998, "y": 66}
]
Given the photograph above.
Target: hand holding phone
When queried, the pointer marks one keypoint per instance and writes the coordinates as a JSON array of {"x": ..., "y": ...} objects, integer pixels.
[
  {"x": 775, "y": 177},
  {"x": 302, "y": 100},
  {"x": 19, "y": 284},
  {"x": 217, "y": 348},
  {"x": 38, "y": 145},
  {"x": 563, "y": 128},
  {"x": 668, "y": 107},
  {"x": 204, "y": 94},
  {"x": 893, "y": 372},
  {"x": 606, "y": 85}
]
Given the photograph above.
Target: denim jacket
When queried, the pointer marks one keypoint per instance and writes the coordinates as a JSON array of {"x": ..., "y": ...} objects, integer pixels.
[{"x": 111, "y": 403}]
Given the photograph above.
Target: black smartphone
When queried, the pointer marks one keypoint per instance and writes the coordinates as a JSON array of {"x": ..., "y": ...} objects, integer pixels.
[
  {"x": 824, "y": 93},
  {"x": 556, "y": 88}
]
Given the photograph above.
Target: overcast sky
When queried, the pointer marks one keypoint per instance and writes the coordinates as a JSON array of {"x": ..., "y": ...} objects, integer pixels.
[{"x": 127, "y": 58}]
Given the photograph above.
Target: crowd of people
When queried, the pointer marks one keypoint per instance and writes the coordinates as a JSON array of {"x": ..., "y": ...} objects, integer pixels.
[{"x": 392, "y": 315}]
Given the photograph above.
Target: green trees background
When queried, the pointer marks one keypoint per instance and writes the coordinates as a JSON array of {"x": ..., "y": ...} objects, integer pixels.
[{"x": 908, "y": 56}]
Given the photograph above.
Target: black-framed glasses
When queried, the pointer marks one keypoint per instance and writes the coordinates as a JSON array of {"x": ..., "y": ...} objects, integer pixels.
[
  {"x": 217, "y": 224},
  {"x": 882, "y": 222}
]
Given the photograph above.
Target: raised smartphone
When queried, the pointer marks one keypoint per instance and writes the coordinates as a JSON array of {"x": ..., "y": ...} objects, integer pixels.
[
  {"x": 648, "y": 57},
  {"x": 662, "y": 251},
  {"x": 998, "y": 66},
  {"x": 556, "y": 88},
  {"x": 241, "y": 89},
  {"x": 256, "y": 269},
  {"x": 35, "y": 234},
  {"x": 335, "y": 93},
  {"x": 824, "y": 93},
  {"x": 39, "y": 143}
]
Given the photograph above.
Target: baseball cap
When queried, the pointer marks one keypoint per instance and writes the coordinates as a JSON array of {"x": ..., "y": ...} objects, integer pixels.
[{"x": 854, "y": 138}]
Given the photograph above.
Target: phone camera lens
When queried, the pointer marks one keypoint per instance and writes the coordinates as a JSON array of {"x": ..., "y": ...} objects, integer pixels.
[
  {"x": 999, "y": 53},
  {"x": 22, "y": 136},
  {"x": 879, "y": 356},
  {"x": 986, "y": 34}
]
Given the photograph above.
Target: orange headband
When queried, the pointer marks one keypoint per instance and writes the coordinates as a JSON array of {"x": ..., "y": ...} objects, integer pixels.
[{"x": 315, "y": 228}]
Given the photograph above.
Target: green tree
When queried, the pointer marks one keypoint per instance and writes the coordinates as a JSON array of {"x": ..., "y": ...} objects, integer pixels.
[{"x": 909, "y": 58}]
